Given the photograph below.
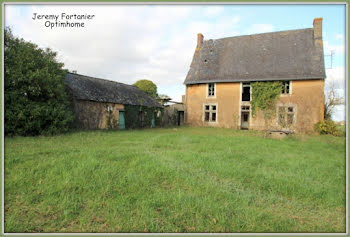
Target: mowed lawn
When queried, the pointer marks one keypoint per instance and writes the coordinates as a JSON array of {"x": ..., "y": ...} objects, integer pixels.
[{"x": 174, "y": 180}]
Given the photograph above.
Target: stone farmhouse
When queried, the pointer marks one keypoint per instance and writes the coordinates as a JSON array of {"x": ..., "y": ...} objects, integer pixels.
[
  {"x": 104, "y": 104},
  {"x": 218, "y": 84}
]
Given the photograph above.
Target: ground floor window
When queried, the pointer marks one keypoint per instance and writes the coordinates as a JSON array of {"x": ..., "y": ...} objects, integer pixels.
[
  {"x": 286, "y": 116},
  {"x": 109, "y": 108},
  {"x": 210, "y": 113}
]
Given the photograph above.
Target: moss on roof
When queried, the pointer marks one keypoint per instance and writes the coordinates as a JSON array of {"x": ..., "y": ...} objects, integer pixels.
[
  {"x": 100, "y": 90},
  {"x": 280, "y": 55}
]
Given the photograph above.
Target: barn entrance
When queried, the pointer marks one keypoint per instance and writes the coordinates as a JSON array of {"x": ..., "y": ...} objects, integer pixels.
[{"x": 121, "y": 124}]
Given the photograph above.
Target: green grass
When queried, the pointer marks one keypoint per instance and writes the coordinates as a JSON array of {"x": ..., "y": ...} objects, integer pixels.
[{"x": 174, "y": 180}]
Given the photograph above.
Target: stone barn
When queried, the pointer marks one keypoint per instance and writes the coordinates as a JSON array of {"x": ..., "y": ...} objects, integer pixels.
[
  {"x": 105, "y": 104},
  {"x": 218, "y": 84},
  {"x": 174, "y": 114}
]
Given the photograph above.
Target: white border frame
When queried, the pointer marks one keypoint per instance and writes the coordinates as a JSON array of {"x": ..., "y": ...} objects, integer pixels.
[{"x": 180, "y": 3}]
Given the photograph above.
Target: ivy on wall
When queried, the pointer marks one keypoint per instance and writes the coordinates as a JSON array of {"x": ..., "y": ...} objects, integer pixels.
[
  {"x": 111, "y": 122},
  {"x": 138, "y": 116},
  {"x": 264, "y": 96}
]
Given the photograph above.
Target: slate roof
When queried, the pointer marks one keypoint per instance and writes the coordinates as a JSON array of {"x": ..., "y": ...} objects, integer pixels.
[
  {"x": 100, "y": 90},
  {"x": 284, "y": 55}
]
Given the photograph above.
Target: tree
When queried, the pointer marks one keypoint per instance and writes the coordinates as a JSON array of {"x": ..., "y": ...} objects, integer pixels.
[
  {"x": 148, "y": 87},
  {"x": 332, "y": 99},
  {"x": 35, "y": 95},
  {"x": 163, "y": 99}
]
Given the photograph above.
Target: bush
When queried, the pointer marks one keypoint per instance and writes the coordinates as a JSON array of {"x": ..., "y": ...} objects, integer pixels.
[
  {"x": 328, "y": 127},
  {"x": 36, "y": 102}
]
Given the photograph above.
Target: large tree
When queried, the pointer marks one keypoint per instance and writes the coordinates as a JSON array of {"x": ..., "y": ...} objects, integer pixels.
[
  {"x": 35, "y": 95},
  {"x": 332, "y": 99},
  {"x": 147, "y": 86}
]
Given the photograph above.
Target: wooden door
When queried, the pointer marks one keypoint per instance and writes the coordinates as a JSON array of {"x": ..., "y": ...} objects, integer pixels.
[
  {"x": 121, "y": 124},
  {"x": 245, "y": 120}
]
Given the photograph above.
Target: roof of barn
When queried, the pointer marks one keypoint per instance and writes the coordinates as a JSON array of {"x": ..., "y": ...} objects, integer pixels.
[
  {"x": 100, "y": 90},
  {"x": 284, "y": 55}
]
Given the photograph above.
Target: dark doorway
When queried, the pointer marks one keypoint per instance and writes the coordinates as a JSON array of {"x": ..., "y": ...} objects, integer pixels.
[
  {"x": 245, "y": 120},
  {"x": 141, "y": 118},
  {"x": 180, "y": 118},
  {"x": 246, "y": 91}
]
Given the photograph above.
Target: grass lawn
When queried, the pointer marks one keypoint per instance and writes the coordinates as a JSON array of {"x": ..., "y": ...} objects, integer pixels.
[{"x": 174, "y": 180}]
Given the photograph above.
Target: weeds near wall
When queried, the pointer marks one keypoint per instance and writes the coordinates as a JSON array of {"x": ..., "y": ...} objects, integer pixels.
[{"x": 328, "y": 127}]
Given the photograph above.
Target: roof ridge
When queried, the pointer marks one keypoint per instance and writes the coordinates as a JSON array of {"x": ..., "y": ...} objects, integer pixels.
[
  {"x": 273, "y": 32},
  {"x": 97, "y": 89},
  {"x": 96, "y": 78}
]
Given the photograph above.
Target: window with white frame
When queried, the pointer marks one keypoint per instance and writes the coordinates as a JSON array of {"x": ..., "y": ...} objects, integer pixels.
[
  {"x": 245, "y": 108},
  {"x": 210, "y": 113},
  {"x": 211, "y": 89},
  {"x": 286, "y": 116},
  {"x": 109, "y": 108},
  {"x": 285, "y": 87}
]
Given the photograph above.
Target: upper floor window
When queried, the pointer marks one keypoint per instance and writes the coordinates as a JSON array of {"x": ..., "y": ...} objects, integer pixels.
[
  {"x": 285, "y": 87},
  {"x": 211, "y": 89},
  {"x": 246, "y": 91}
]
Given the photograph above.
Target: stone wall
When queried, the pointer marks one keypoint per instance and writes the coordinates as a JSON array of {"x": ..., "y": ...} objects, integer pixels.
[
  {"x": 307, "y": 97},
  {"x": 170, "y": 115},
  {"x": 227, "y": 100},
  {"x": 96, "y": 115}
]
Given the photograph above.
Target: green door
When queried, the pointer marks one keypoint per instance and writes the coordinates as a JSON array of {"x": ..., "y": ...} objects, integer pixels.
[
  {"x": 153, "y": 121},
  {"x": 121, "y": 124}
]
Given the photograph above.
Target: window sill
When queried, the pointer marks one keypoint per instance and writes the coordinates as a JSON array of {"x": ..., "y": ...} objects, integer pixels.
[
  {"x": 285, "y": 95},
  {"x": 211, "y": 122}
]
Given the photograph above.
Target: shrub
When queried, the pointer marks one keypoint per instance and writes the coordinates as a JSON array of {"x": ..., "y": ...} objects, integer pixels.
[
  {"x": 36, "y": 101},
  {"x": 328, "y": 127}
]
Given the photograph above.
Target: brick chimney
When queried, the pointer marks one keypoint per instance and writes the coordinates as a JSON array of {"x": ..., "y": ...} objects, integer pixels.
[
  {"x": 200, "y": 38},
  {"x": 318, "y": 30}
]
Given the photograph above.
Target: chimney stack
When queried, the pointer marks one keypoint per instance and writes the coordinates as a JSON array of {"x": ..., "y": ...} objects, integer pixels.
[
  {"x": 318, "y": 29},
  {"x": 200, "y": 38}
]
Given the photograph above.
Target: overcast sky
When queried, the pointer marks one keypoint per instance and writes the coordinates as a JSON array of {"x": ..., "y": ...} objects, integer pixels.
[{"x": 127, "y": 43}]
